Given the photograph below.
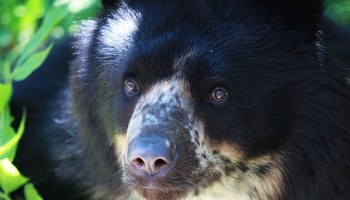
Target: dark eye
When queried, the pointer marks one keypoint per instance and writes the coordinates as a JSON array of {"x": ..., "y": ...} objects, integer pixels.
[
  {"x": 218, "y": 94},
  {"x": 130, "y": 87}
]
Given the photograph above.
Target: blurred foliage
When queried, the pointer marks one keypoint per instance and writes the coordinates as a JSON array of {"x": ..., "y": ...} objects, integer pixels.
[
  {"x": 339, "y": 10},
  {"x": 17, "y": 62},
  {"x": 19, "y": 19},
  {"x": 18, "y": 22},
  {"x": 25, "y": 28}
]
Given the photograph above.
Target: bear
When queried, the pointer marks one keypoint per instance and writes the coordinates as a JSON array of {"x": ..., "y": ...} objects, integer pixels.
[{"x": 183, "y": 99}]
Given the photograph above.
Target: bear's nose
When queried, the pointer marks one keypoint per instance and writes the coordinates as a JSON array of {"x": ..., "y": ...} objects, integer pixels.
[{"x": 151, "y": 155}]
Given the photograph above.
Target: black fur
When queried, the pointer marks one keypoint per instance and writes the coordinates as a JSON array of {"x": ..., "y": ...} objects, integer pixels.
[{"x": 286, "y": 69}]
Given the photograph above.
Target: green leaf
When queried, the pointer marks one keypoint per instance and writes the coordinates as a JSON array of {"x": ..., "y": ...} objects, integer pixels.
[
  {"x": 5, "y": 120},
  {"x": 4, "y": 196},
  {"x": 5, "y": 93},
  {"x": 5, "y": 71},
  {"x": 10, "y": 146},
  {"x": 32, "y": 63},
  {"x": 30, "y": 192},
  {"x": 2, "y": 63},
  {"x": 6, "y": 131},
  {"x": 6, "y": 137},
  {"x": 52, "y": 18},
  {"x": 10, "y": 178}
]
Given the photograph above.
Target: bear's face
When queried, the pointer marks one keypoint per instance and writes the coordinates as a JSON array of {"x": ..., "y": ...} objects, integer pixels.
[{"x": 194, "y": 106}]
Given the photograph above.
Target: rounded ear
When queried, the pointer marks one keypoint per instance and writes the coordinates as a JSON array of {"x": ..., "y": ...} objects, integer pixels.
[
  {"x": 310, "y": 9},
  {"x": 305, "y": 13}
]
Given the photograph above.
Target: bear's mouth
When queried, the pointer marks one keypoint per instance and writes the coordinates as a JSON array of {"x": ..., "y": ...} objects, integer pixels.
[
  {"x": 160, "y": 184},
  {"x": 168, "y": 188}
]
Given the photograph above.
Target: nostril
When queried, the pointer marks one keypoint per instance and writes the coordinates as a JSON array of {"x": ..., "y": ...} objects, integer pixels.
[
  {"x": 159, "y": 163},
  {"x": 148, "y": 165},
  {"x": 138, "y": 163}
]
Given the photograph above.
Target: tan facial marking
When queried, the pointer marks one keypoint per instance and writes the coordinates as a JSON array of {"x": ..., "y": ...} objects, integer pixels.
[
  {"x": 248, "y": 185},
  {"x": 229, "y": 150},
  {"x": 120, "y": 142},
  {"x": 270, "y": 185}
]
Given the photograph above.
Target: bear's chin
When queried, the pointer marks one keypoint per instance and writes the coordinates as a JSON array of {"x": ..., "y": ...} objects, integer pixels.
[{"x": 157, "y": 194}]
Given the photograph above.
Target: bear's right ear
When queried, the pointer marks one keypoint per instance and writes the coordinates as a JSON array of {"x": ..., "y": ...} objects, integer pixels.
[
  {"x": 110, "y": 3},
  {"x": 306, "y": 13}
]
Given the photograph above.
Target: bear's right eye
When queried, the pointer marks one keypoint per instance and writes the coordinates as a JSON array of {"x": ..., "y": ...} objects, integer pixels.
[
  {"x": 130, "y": 87},
  {"x": 218, "y": 94}
]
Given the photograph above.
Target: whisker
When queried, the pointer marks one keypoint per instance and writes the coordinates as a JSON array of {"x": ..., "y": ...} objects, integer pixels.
[{"x": 117, "y": 172}]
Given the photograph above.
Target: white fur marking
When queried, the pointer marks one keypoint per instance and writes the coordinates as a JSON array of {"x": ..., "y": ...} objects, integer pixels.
[{"x": 117, "y": 36}]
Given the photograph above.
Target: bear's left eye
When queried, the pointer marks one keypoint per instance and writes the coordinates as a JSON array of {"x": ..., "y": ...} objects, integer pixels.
[
  {"x": 130, "y": 87},
  {"x": 218, "y": 94}
]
